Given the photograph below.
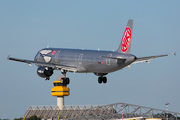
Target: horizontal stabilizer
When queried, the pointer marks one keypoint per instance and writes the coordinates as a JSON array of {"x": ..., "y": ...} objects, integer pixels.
[{"x": 147, "y": 59}]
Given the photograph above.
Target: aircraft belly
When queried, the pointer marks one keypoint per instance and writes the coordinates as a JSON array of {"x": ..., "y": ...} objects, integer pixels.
[
  {"x": 92, "y": 62},
  {"x": 102, "y": 68}
]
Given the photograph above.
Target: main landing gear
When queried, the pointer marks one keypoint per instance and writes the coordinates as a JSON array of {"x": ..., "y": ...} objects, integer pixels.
[
  {"x": 102, "y": 79},
  {"x": 65, "y": 79}
]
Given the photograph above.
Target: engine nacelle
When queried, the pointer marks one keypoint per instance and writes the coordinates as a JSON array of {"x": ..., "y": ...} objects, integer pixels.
[{"x": 44, "y": 72}]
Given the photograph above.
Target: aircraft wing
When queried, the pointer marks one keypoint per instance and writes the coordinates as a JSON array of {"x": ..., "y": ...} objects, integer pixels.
[
  {"x": 147, "y": 59},
  {"x": 52, "y": 65}
]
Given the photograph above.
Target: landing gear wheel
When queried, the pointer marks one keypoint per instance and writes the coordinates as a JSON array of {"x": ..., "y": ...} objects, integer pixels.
[
  {"x": 63, "y": 80},
  {"x": 47, "y": 78},
  {"x": 104, "y": 79},
  {"x": 100, "y": 80},
  {"x": 67, "y": 80}
]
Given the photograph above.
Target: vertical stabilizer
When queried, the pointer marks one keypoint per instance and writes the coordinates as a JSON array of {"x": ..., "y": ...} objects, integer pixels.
[{"x": 125, "y": 45}]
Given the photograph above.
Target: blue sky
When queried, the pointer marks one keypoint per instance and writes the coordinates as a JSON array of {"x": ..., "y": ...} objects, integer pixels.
[{"x": 28, "y": 26}]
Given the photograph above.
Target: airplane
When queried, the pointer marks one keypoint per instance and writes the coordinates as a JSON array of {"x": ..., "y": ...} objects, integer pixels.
[{"x": 87, "y": 61}]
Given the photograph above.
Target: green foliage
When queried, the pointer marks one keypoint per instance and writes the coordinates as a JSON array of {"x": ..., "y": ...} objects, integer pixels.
[
  {"x": 164, "y": 114},
  {"x": 33, "y": 118},
  {"x": 18, "y": 119}
]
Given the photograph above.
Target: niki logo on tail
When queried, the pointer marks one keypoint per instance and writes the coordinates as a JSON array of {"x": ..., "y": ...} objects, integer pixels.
[{"x": 126, "y": 39}]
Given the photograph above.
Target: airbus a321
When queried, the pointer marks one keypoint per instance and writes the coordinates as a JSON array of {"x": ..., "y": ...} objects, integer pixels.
[{"x": 87, "y": 61}]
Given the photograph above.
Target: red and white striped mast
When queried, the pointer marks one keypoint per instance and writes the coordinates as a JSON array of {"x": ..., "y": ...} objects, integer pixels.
[
  {"x": 122, "y": 111},
  {"x": 167, "y": 110}
]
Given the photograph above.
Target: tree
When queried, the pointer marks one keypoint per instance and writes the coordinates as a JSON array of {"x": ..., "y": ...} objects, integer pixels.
[
  {"x": 170, "y": 116},
  {"x": 33, "y": 118},
  {"x": 18, "y": 118}
]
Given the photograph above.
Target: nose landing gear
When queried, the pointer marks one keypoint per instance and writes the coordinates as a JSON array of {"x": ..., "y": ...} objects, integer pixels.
[{"x": 65, "y": 79}]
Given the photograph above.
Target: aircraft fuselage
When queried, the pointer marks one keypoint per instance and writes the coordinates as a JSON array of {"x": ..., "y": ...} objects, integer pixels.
[{"x": 86, "y": 60}]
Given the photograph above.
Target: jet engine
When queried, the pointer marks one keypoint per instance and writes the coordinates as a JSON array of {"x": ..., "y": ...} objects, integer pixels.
[{"x": 44, "y": 72}]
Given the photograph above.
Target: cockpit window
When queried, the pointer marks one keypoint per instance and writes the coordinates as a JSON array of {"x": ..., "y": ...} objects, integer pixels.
[{"x": 45, "y": 52}]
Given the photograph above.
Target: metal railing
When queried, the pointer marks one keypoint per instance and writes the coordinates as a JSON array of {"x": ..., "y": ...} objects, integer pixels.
[{"x": 112, "y": 111}]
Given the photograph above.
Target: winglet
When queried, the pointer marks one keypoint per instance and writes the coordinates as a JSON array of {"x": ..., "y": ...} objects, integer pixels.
[{"x": 172, "y": 53}]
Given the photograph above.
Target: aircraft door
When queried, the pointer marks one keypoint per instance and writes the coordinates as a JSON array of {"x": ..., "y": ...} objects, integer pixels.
[
  {"x": 108, "y": 60},
  {"x": 56, "y": 56},
  {"x": 80, "y": 59}
]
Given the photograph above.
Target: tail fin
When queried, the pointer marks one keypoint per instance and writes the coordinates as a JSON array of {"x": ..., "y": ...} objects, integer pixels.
[{"x": 125, "y": 45}]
